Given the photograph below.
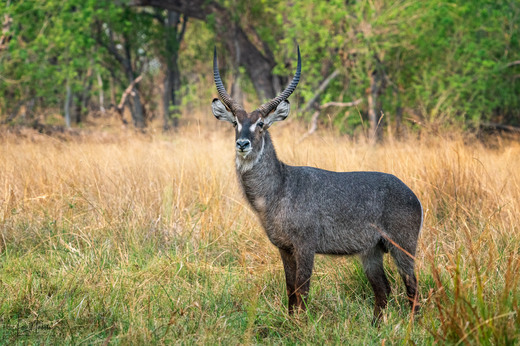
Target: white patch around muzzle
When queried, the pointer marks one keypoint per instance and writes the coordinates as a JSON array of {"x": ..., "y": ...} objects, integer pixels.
[
  {"x": 243, "y": 154},
  {"x": 244, "y": 164}
]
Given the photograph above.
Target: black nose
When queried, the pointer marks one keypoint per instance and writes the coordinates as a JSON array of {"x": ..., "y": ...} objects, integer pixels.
[{"x": 243, "y": 144}]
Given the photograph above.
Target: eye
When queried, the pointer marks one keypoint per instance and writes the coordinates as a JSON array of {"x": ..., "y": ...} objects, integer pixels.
[
  {"x": 261, "y": 124},
  {"x": 234, "y": 124}
]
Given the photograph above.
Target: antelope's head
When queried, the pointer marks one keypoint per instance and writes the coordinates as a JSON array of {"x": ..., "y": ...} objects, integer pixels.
[{"x": 250, "y": 128}]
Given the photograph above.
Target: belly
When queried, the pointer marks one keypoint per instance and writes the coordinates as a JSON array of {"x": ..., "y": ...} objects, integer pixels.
[{"x": 347, "y": 241}]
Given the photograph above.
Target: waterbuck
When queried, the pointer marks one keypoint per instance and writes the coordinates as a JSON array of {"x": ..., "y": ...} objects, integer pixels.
[{"x": 307, "y": 211}]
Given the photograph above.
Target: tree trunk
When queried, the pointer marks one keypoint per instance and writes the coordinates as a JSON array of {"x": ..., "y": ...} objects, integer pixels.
[
  {"x": 176, "y": 95},
  {"x": 137, "y": 107},
  {"x": 67, "y": 105},
  {"x": 372, "y": 106},
  {"x": 112, "y": 92},
  {"x": 101, "y": 95},
  {"x": 172, "y": 80},
  {"x": 258, "y": 66},
  {"x": 75, "y": 102},
  {"x": 28, "y": 108},
  {"x": 398, "y": 116},
  {"x": 137, "y": 110},
  {"x": 14, "y": 112},
  {"x": 121, "y": 106},
  {"x": 166, "y": 101},
  {"x": 236, "y": 90},
  {"x": 82, "y": 104}
]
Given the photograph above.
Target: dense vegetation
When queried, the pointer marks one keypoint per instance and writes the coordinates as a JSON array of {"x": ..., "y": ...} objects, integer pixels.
[{"x": 433, "y": 63}]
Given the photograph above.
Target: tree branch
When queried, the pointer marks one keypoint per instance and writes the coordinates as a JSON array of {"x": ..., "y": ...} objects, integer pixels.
[
  {"x": 156, "y": 14},
  {"x": 502, "y": 127},
  {"x": 316, "y": 114},
  {"x": 193, "y": 8},
  {"x": 321, "y": 88},
  {"x": 6, "y": 25},
  {"x": 127, "y": 92},
  {"x": 110, "y": 47},
  {"x": 180, "y": 36},
  {"x": 341, "y": 104}
]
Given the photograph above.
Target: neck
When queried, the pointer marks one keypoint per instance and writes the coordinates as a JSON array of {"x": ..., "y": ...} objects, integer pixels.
[{"x": 261, "y": 176}]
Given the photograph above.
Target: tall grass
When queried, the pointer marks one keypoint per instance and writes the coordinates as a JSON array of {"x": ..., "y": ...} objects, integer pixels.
[{"x": 128, "y": 238}]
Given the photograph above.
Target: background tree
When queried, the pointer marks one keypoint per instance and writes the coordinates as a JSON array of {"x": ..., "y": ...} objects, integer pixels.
[
  {"x": 398, "y": 62},
  {"x": 129, "y": 38},
  {"x": 174, "y": 28},
  {"x": 225, "y": 22},
  {"x": 47, "y": 49}
]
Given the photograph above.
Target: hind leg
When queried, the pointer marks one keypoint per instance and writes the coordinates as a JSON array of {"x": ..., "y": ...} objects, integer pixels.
[
  {"x": 372, "y": 261},
  {"x": 405, "y": 264}
]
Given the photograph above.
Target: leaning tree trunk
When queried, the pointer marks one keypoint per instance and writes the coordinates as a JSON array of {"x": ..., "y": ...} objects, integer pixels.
[{"x": 137, "y": 110}]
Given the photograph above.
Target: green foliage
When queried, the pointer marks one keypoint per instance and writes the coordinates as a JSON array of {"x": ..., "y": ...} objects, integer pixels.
[
  {"x": 55, "y": 43},
  {"x": 446, "y": 63},
  {"x": 438, "y": 62},
  {"x": 48, "y": 47},
  {"x": 460, "y": 53}
]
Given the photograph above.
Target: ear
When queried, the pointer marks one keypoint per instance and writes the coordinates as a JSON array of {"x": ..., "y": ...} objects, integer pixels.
[
  {"x": 280, "y": 113},
  {"x": 220, "y": 111}
]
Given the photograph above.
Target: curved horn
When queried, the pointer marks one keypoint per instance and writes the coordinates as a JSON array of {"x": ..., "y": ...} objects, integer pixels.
[
  {"x": 267, "y": 107},
  {"x": 222, "y": 93}
]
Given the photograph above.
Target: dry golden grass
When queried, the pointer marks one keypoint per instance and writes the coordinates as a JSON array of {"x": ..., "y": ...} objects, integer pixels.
[{"x": 128, "y": 238}]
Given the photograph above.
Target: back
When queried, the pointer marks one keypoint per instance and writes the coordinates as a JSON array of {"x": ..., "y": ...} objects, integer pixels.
[{"x": 332, "y": 208}]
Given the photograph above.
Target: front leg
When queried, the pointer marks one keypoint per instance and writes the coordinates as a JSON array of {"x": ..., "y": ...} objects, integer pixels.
[
  {"x": 289, "y": 266},
  {"x": 304, "y": 265}
]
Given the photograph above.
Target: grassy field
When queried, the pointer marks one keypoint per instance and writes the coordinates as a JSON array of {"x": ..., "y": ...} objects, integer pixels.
[{"x": 125, "y": 238}]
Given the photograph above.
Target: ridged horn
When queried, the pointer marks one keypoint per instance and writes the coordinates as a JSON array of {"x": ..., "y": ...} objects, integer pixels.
[
  {"x": 222, "y": 93},
  {"x": 268, "y": 107}
]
